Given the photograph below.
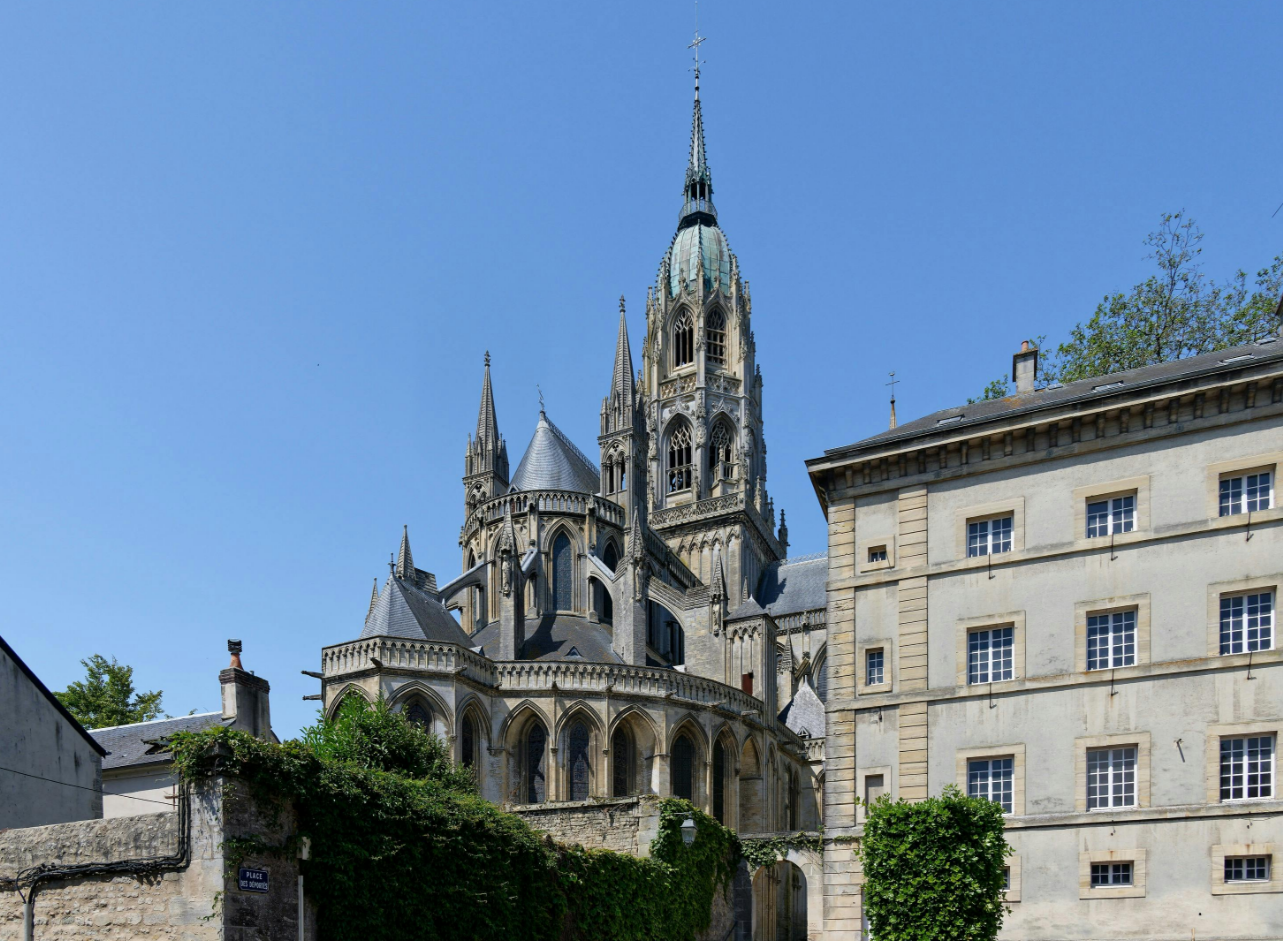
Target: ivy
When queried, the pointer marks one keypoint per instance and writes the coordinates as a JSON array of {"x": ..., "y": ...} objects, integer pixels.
[
  {"x": 767, "y": 851},
  {"x": 934, "y": 869},
  {"x": 415, "y": 853}
]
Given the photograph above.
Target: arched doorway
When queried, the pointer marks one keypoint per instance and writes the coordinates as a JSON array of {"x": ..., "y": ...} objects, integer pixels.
[
  {"x": 780, "y": 908},
  {"x": 684, "y": 767}
]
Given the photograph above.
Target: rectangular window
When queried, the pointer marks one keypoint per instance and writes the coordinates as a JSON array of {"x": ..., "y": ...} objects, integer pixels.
[
  {"x": 1247, "y": 622},
  {"x": 878, "y": 554},
  {"x": 990, "y": 655},
  {"x": 874, "y": 673},
  {"x": 992, "y": 779},
  {"x": 987, "y": 537},
  {"x": 1111, "y": 778},
  {"x": 1247, "y": 493},
  {"x": 1116, "y": 515},
  {"x": 1111, "y": 640},
  {"x": 1104, "y": 875},
  {"x": 1006, "y": 877},
  {"x": 1247, "y": 869},
  {"x": 1247, "y": 768},
  {"x": 874, "y": 787}
]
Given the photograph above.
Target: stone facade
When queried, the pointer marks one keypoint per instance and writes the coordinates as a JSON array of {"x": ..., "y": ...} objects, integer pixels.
[{"x": 1049, "y": 582}]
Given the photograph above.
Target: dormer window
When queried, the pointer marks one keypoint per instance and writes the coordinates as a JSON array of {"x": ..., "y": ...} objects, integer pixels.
[
  {"x": 716, "y": 334},
  {"x": 683, "y": 340}
]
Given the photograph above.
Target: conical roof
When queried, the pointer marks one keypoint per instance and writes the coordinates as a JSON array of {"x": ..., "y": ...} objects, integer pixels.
[
  {"x": 403, "y": 611},
  {"x": 805, "y": 712},
  {"x": 552, "y": 462}
]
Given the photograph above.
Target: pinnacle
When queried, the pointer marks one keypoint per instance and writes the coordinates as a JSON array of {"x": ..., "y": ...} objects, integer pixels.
[
  {"x": 487, "y": 422},
  {"x": 404, "y": 561},
  {"x": 621, "y": 385}
]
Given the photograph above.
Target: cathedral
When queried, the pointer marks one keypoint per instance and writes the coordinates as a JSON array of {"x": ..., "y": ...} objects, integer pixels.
[{"x": 630, "y": 625}]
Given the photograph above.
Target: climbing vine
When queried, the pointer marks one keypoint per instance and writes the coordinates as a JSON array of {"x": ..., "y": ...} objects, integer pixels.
[
  {"x": 767, "y": 851},
  {"x": 402, "y": 846}
]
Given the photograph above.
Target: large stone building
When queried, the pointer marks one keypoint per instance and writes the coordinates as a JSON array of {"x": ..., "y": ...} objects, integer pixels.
[{"x": 1065, "y": 601}]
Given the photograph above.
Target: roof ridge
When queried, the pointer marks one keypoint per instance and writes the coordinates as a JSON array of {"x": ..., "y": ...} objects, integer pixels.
[{"x": 130, "y": 725}]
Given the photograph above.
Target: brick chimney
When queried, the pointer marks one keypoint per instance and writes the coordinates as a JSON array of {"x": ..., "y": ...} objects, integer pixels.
[
  {"x": 245, "y": 697},
  {"x": 1024, "y": 368}
]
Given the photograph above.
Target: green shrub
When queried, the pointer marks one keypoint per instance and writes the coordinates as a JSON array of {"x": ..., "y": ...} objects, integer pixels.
[{"x": 933, "y": 870}]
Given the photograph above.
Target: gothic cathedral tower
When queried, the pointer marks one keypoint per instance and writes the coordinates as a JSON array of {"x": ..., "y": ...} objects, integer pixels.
[{"x": 702, "y": 401}]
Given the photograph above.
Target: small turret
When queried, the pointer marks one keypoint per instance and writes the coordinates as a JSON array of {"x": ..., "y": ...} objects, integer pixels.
[{"x": 485, "y": 473}]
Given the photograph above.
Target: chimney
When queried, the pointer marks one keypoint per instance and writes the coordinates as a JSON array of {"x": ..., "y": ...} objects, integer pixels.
[
  {"x": 1024, "y": 368},
  {"x": 245, "y": 699}
]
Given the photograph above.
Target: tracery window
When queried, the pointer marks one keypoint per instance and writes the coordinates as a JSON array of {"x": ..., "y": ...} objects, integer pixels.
[
  {"x": 535, "y": 784},
  {"x": 417, "y": 714},
  {"x": 684, "y": 767},
  {"x": 563, "y": 569},
  {"x": 679, "y": 460},
  {"x": 715, "y": 331},
  {"x": 622, "y": 754},
  {"x": 721, "y": 453},
  {"x": 683, "y": 339},
  {"x": 577, "y": 759}
]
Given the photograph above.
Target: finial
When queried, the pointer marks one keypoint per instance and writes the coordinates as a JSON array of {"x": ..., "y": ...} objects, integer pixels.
[
  {"x": 892, "y": 384},
  {"x": 621, "y": 303},
  {"x": 695, "y": 46},
  {"x": 540, "y": 391},
  {"x": 487, "y": 359}
]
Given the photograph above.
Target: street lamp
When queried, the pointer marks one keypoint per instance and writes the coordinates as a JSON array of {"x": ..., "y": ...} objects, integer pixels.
[{"x": 688, "y": 831}]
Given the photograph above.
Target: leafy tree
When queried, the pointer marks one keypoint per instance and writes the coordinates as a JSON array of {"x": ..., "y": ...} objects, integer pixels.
[
  {"x": 934, "y": 869},
  {"x": 1175, "y": 313},
  {"x": 374, "y": 737},
  {"x": 106, "y": 696}
]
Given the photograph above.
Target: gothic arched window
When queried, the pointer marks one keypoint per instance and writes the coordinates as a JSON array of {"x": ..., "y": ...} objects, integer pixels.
[
  {"x": 820, "y": 678},
  {"x": 417, "y": 714},
  {"x": 715, "y": 331},
  {"x": 683, "y": 339},
  {"x": 679, "y": 459},
  {"x": 535, "y": 741},
  {"x": 468, "y": 745},
  {"x": 719, "y": 782},
  {"x": 610, "y": 557},
  {"x": 684, "y": 767},
  {"x": 721, "y": 452},
  {"x": 563, "y": 573},
  {"x": 622, "y": 753},
  {"x": 577, "y": 761}
]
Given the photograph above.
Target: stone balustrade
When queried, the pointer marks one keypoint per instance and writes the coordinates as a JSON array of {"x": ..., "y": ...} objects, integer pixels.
[
  {"x": 552, "y": 502},
  {"x": 418, "y": 655},
  {"x": 657, "y": 682}
]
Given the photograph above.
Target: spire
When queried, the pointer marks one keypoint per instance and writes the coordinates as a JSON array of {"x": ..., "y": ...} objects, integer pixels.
[
  {"x": 783, "y": 536},
  {"x": 621, "y": 386},
  {"x": 404, "y": 561},
  {"x": 374, "y": 599},
  {"x": 487, "y": 423},
  {"x": 697, "y": 193}
]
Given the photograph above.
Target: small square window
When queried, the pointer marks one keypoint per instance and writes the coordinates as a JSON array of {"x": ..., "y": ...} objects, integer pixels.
[
  {"x": 988, "y": 537},
  {"x": 1108, "y": 517},
  {"x": 992, "y": 779},
  {"x": 1104, "y": 875},
  {"x": 1247, "y": 868},
  {"x": 877, "y": 554},
  {"x": 1247, "y": 622},
  {"x": 874, "y": 668},
  {"x": 1247, "y": 768},
  {"x": 990, "y": 655},
  {"x": 1246, "y": 493},
  {"x": 1111, "y": 778},
  {"x": 1111, "y": 640}
]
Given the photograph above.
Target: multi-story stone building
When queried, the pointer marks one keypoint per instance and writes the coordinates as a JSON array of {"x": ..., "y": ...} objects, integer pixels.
[{"x": 1064, "y": 600}]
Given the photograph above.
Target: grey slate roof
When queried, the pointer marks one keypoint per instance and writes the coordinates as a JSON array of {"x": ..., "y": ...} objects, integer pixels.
[
  {"x": 129, "y": 745},
  {"x": 805, "y": 713},
  {"x": 552, "y": 462},
  {"x": 789, "y": 586},
  {"x": 403, "y": 611},
  {"x": 553, "y": 638},
  {"x": 1098, "y": 387}
]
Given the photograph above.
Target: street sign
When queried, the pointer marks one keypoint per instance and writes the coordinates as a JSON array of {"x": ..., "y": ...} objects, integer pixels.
[{"x": 252, "y": 880}]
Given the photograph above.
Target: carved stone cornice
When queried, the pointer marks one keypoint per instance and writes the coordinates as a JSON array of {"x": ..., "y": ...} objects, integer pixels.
[{"x": 715, "y": 508}]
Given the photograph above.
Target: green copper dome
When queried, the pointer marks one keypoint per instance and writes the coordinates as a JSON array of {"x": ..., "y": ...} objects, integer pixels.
[{"x": 692, "y": 243}]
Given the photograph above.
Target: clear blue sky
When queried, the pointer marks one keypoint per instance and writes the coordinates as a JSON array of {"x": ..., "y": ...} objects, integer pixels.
[{"x": 253, "y": 255}]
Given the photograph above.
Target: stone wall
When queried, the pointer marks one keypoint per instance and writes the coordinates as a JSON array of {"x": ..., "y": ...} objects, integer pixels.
[
  {"x": 186, "y": 893},
  {"x": 625, "y": 825}
]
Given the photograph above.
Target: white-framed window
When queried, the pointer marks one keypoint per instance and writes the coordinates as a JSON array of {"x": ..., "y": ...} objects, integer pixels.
[
  {"x": 1247, "y": 767},
  {"x": 1111, "y": 777},
  {"x": 1104, "y": 875},
  {"x": 990, "y": 655},
  {"x": 1247, "y": 868},
  {"x": 992, "y": 779},
  {"x": 988, "y": 537},
  {"x": 1111, "y": 640},
  {"x": 877, "y": 554},
  {"x": 1247, "y": 493},
  {"x": 1247, "y": 622},
  {"x": 1114, "y": 515},
  {"x": 874, "y": 668}
]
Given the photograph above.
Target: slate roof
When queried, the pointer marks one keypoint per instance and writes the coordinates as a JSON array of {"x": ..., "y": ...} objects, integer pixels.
[
  {"x": 44, "y": 691},
  {"x": 554, "y": 638},
  {"x": 805, "y": 713},
  {"x": 1268, "y": 350},
  {"x": 129, "y": 745},
  {"x": 788, "y": 587},
  {"x": 552, "y": 462},
  {"x": 404, "y": 611}
]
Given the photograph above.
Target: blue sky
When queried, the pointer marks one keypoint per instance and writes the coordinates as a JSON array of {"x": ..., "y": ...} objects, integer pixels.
[{"x": 253, "y": 255}]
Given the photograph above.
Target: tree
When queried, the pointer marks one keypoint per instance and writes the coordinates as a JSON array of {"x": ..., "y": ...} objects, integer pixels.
[
  {"x": 1175, "y": 313},
  {"x": 934, "y": 869},
  {"x": 106, "y": 696}
]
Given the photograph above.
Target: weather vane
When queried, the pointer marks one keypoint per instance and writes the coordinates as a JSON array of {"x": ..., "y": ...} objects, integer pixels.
[{"x": 540, "y": 391}]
